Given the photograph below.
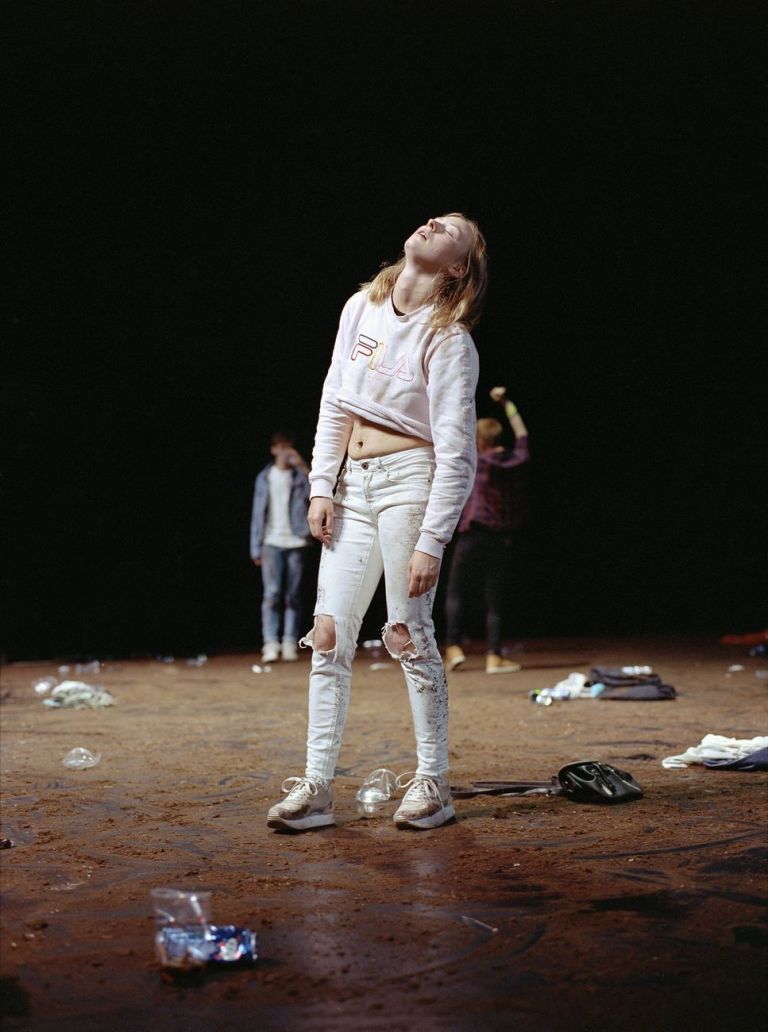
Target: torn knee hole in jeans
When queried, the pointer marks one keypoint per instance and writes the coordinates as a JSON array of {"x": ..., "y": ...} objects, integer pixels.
[
  {"x": 326, "y": 625},
  {"x": 398, "y": 642}
]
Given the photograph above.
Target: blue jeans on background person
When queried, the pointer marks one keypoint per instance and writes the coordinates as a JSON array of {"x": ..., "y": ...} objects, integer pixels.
[{"x": 282, "y": 571}]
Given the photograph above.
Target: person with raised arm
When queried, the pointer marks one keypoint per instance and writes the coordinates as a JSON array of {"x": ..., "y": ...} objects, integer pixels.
[{"x": 488, "y": 536}]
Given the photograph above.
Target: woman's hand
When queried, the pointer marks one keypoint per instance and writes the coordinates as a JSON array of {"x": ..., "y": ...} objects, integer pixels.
[
  {"x": 423, "y": 571},
  {"x": 499, "y": 394},
  {"x": 320, "y": 519}
]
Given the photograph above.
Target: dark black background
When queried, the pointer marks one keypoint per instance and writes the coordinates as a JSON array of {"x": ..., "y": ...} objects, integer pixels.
[{"x": 197, "y": 187}]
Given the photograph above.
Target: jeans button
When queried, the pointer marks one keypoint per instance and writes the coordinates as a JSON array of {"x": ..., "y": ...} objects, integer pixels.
[{"x": 364, "y": 465}]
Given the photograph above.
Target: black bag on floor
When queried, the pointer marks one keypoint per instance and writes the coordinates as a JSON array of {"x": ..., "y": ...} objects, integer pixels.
[
  {"x": 586, "y": 781},
  {"x": 637, "y": 687}
]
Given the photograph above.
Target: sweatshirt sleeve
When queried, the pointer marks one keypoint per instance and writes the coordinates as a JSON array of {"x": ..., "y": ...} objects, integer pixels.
[
  {"x": 333, "y": 424},
  {"x": 452, "y": 372}
]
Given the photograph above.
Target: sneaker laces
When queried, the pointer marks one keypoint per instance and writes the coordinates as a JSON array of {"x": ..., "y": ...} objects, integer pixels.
[
  {"x": 296, "y": 785},
  {"x": 419, "y": 787}
]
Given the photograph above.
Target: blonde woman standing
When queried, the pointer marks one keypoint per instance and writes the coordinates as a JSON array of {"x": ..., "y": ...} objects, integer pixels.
[{"x": 397, "y": 414}]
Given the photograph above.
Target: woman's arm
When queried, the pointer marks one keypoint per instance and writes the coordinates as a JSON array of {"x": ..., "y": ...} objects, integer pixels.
[
  {"x": 333, "y": 424},
  {"x": 451, "y": 384},
  {"x": 452, "y": 372}
]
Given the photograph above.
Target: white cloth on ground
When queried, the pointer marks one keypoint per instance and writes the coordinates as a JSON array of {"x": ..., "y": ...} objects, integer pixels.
[{"x": 716, "y": 747}]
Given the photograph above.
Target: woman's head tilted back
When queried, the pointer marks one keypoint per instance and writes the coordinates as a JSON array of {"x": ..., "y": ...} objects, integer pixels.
[{"x": 454, "y": 248}]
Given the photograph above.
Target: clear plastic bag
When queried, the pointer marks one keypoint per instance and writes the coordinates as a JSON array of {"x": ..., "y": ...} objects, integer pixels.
[{"x": 375, "y": 791}]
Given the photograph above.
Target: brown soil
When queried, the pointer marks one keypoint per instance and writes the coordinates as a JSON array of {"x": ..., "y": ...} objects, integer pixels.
[{"x": 533, "y": 911}]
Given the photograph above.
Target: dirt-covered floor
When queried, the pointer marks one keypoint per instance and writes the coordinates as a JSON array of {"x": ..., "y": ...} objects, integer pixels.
[{"x": 531, "y": 912}]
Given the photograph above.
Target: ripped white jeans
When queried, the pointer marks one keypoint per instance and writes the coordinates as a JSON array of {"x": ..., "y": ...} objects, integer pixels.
[{"x": 379, "y": 507}]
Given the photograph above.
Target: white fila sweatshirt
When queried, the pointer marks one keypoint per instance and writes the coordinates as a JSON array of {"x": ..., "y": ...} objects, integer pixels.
[{"x": 399, "y": 372}]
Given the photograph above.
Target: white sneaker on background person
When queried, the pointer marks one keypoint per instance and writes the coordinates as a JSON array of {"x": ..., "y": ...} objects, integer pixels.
[
  {"x": 290, "y": 652},
  {"x": 270, "y": 653}
]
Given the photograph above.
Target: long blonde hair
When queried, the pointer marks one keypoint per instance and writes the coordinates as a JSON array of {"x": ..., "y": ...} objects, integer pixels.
[{"x": 456, "y": 299}]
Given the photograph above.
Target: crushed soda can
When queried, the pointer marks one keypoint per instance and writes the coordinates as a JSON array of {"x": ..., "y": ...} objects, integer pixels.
[
  {"x": 233, "y": 945},
  {"x": 540, "y": 696},
  {"x": 575, "y": 686},
  {"x": 186, "y": 947}
]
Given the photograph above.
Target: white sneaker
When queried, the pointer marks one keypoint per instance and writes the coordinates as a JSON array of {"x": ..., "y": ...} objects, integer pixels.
[
  {"x": 427, "y": 802},
  {"x": 270, "y": 653},
  {"x": 290, "y": 652},
  {"x": 308, "y": 804}
]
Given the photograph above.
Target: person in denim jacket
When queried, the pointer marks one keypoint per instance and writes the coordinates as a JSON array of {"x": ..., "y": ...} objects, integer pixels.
[{"x": 279, "y": 542}]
